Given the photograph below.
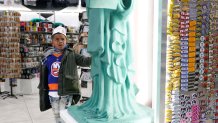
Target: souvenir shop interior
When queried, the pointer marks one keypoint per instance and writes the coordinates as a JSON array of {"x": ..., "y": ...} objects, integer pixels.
[
  {"x": 175, "y": 50},
  {"x": 25, "y": 34},
  {"x": 176, "y": 73}
]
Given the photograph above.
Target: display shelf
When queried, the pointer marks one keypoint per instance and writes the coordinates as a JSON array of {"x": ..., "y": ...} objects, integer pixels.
[
  {"x": 30, "y": 67},
  {"x": 31, "y": 52},
  {"x": 51, "y": 44},
  {"x": 33, "y": 45},
  {"x": 38, "y": 35},
  {"x": 35, "y": 32},
  {"x": 191, "y": 64},
  {"x": 29, "y": 86},
  {"x": 33, "y": 56},
  {"x": 85, "y": 43},
  {"x": 68, "y": 33},
  {"x": 9, "y": 44},
  {"x": 85, "y": 75},
  {"x": 88, "y": 68},
  {"x": 83, "y": 34}
]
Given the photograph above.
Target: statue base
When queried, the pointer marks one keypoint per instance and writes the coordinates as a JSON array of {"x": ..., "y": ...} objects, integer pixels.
[{"x": 145, "y": 116}]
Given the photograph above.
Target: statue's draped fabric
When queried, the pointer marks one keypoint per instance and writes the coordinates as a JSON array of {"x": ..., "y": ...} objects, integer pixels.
[{"x": 109, "y": 44}]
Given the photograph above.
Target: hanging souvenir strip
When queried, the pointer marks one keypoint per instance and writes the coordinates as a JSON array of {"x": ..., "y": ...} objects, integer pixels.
[
  {"x": 192, "y": 62},
  {"x": 9, "y": 43}
]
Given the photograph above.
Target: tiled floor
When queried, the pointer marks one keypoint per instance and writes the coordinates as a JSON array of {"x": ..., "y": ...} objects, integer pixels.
[{"x": 25, "y": 109}]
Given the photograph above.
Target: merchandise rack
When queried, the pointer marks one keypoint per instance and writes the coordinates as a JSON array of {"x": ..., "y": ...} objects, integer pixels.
[
  {"x": 9, "y": 54},
  {"x": 192, "y": 47},
  {"x": 31, "y": 52},
  {"x": 85, "y": 76},
  {"x": 35, "y": 38}
]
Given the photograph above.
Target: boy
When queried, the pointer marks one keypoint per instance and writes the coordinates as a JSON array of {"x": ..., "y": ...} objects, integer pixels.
[{"x": 59, "y": 80}]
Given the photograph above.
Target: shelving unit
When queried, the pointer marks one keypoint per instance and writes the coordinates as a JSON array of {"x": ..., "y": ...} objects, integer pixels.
[
  {"x": 192, "y": 47},
  {"x": 10, "y": 58},
  {"x": 31, "y": 54},
  {"x": 34, "y": 41},
  {"x": 85, "y": 77}
]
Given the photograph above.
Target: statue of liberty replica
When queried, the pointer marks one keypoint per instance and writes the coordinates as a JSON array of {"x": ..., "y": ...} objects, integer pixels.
[{"x": 109, "y": 43}]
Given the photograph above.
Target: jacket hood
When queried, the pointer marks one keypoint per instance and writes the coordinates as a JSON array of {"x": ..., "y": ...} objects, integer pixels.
[{"x": 48, "y": 52}]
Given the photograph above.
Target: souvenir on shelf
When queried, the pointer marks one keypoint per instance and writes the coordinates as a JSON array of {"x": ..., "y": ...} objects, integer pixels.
[
  {"x": 32, "y": 36},
  {"x": 35, "y": 38},
  {"x": 10, "y": 58},
  {"x": 30, "y": 60},
  {"x": 83, "y": 41},
  {"x": 191, "y": 85}
]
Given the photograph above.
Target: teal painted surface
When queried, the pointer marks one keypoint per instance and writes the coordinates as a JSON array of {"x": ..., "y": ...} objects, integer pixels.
[
  {"x": 112, "y": 4},
  {"x": 82, "y": 116},
  {"x": 109, "y": 43}
]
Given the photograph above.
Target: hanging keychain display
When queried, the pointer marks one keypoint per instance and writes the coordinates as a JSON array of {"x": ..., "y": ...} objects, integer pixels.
[
  {"x": 192, "y": 62},
  {"x": 10, "y": 66}
]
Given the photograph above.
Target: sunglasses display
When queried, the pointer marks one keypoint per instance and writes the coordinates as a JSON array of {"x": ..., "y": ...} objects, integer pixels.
[{"x": 192, "y": 61}]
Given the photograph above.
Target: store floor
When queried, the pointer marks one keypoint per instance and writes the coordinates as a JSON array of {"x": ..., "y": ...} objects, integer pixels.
[{"x": 25, "y": 109}]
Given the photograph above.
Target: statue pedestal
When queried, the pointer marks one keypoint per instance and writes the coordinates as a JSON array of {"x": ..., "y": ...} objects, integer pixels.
[
  {"x": 145, "y": 116},
  {"x": 67, "y": 117}
]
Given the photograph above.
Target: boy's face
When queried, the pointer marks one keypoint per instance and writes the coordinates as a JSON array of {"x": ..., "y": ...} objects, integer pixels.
[{"x": 59, "y": 41}]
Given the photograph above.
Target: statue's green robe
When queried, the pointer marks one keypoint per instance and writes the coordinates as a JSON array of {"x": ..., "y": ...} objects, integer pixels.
[{"x": 109, "y": 43}]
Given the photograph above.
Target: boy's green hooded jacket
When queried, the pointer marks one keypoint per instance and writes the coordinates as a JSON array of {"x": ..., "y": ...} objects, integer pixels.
[{"x": 68, "y": 79}]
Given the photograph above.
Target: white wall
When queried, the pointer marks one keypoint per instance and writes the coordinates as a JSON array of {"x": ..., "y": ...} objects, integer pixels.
[
  {"x": 142, "y": 24},
  {"x": 27, "y": 16},
  {"x": 67, "y": 18}
]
